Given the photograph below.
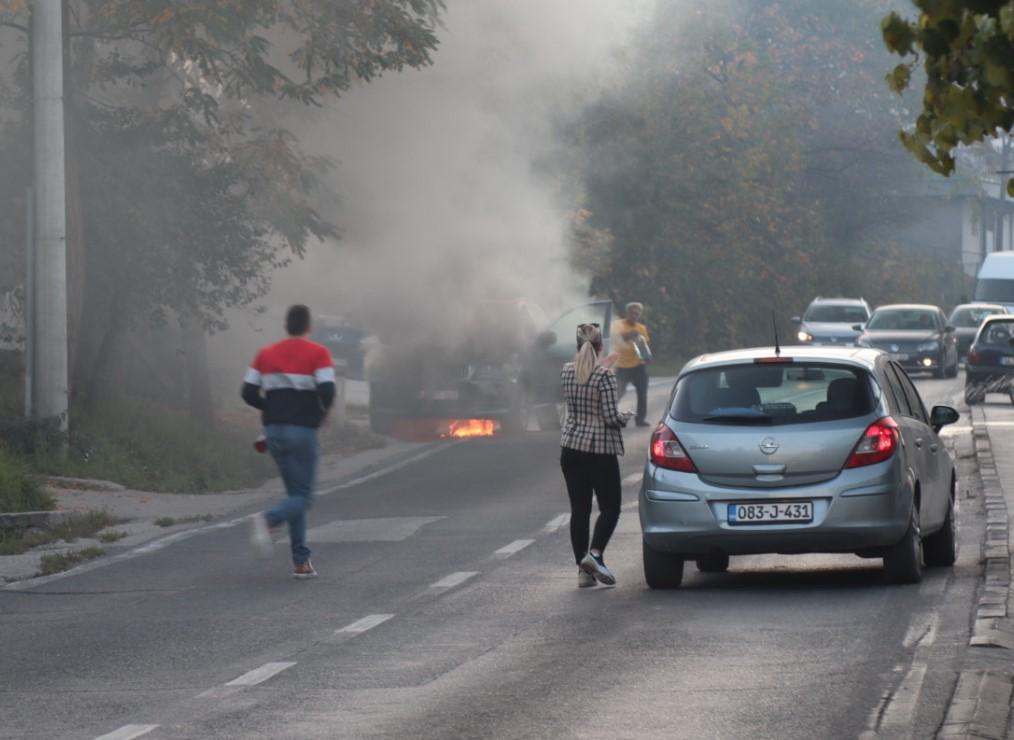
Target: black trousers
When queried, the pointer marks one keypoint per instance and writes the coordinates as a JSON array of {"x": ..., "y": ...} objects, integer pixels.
[
  {"x": 639, "y": 377},
  {"x": 588, "y": 474}
]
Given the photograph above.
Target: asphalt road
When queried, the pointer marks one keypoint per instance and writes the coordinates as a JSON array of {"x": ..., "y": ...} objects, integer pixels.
[{"x": 447, "y": 607}]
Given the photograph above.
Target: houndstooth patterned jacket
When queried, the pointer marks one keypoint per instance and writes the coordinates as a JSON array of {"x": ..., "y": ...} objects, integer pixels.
[{"x": 593, "y": 421}]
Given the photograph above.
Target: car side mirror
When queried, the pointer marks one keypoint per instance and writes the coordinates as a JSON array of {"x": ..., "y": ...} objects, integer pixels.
[
  {"x": 857, "y": 327},
  {"x": 941, "y": 416},
  {"x": 545, "y": 339},
  {"x": 797, "y": 319},
  {"x": 949, "y": 328}
]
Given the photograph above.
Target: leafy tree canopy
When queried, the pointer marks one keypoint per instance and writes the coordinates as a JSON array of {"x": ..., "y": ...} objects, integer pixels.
[{"x": 966, "y": 48}]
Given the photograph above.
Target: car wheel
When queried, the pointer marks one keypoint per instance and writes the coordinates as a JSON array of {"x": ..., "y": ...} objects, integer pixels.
[
  {"x": 973, "y": 395},
  {"x": 940, "y": 549},
  {"x": 717, "y": 563},
  {"x": 661, "y": 569},
  {"x": 903, "y": 562}
]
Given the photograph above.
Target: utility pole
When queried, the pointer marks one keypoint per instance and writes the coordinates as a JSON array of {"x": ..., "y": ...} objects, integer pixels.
[{"x": 50, "y": 384}]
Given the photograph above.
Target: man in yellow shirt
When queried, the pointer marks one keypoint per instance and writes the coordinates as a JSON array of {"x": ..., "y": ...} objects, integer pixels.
[{"x": 630, "y": 366}]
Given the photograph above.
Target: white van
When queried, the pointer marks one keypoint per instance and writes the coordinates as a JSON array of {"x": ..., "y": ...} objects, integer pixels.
[{"x": 995, "y": 283}]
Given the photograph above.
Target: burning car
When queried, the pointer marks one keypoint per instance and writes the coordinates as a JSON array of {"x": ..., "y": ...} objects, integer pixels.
[{"x": 504, "y": 368}]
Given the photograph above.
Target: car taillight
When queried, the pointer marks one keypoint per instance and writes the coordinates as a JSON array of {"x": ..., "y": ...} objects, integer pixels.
[
  {"x": 973, "y": 357},
  {"x": 667, "y": 452},
  {"x": 877, "y": 444}
]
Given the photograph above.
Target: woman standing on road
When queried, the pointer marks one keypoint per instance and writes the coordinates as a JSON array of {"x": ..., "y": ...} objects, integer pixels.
[{"x": 590, "y": 444}]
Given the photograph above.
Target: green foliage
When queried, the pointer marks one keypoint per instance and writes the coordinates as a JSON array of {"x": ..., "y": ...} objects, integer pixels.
[
  {"x": 966, "y": 49},
  {"x": 750, "y": 165},
  {"x": 20, "y": 489},
  {"x": 81, "y": 527}
]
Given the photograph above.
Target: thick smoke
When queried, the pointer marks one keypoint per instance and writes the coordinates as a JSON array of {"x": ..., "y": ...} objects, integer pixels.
[{"x": 442, "y": 202}]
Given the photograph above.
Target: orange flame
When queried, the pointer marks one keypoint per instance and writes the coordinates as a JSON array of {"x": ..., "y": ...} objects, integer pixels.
[{"x": 472, "y": 428}]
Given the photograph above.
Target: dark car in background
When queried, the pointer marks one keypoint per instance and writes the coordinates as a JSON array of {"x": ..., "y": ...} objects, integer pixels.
[
  {"x": 966, "y": 320},
  {"x": 831, "y": 321},
  {"x": 989, "y": 365},
  {"x": 917, "y": 336}
]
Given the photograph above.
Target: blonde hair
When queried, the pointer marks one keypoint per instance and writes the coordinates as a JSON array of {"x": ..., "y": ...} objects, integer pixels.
[{"x": 589, "y": 344}]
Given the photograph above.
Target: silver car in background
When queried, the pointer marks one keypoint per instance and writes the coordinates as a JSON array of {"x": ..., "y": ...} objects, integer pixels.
[{"x": 813, "y": 449}]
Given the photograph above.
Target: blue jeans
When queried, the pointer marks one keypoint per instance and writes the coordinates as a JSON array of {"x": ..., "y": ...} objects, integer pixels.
[{"x": 295, "y": 451}]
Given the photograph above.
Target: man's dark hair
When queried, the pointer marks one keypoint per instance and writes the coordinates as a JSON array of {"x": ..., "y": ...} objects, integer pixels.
[{"x": 297, "y": 320}]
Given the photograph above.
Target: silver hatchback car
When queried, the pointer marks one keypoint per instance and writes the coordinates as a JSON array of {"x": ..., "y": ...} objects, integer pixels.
[{"x": 813, "y": 449}]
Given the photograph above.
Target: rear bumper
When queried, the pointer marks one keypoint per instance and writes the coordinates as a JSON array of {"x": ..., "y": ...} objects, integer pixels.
[{"x": 860, "y": 509}]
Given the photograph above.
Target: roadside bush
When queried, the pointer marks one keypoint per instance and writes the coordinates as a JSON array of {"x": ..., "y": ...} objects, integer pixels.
[{"x": 20, "y": 490}]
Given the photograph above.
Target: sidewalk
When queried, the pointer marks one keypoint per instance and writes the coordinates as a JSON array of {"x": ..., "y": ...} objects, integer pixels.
[
  {"x": 143, "y": 508},
  {"x": 980, "y": 706}
]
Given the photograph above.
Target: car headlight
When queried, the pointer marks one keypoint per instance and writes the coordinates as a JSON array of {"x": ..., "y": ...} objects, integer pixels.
[
  {"x": 803, "y": 336},
  {"x": 929, "y": 346}
]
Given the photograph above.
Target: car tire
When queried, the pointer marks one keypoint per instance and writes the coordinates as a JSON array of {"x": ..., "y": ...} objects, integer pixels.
[
  {"x": 903, "y": 561},
  {"x": 940, "y": 549},
  {"x": 661, "y": 569},
  {"x": 716, "y": 563}
]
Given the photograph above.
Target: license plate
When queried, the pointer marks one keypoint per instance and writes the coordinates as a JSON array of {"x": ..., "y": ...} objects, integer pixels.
[
  {"x": 900, "y": 357},
  {"x": 771, "y": 513},
  {"x": 1007, "y": 360}
]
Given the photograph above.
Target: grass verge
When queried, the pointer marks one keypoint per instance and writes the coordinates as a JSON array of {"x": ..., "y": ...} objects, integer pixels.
[
  {"x": 57, "y": 562},
  {"x": 79, "y": 528},
  {"x": 20, "y": 490},
  {"x": 170, "y": 521}
]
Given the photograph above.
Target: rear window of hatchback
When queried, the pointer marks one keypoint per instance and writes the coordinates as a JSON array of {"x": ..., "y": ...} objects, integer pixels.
[{"x": 773, "y": 394}]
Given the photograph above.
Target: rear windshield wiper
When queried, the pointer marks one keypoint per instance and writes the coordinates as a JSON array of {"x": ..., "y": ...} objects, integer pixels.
[{"x": 743, "y": 418}]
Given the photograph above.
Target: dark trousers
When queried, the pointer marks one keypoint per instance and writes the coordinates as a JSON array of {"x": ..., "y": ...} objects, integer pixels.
[
  {"x": 589, "y": 474},
  {"x": 639, "y": 377}
]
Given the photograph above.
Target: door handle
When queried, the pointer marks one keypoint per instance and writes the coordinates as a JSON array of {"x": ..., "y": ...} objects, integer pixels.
[{"x": 918, "y": 441}]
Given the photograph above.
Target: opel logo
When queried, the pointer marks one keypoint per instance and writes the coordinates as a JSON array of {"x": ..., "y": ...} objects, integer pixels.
[
  {"x": 769, "y": 446},
  {"x": 895, "y": 347}
]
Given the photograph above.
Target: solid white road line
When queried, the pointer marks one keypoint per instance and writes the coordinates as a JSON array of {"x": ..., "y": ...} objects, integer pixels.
[
  {"x": 515, "y": 546},
  {"x": 164, "y": 542},
  {"x": 455, "y": 579},
  {"x": 259, "y": 675},
  {"x": 554, "y": 524},
  {"x": 633, "y": 478},
  {"x": 128, "y": 732},
  {"x": 366, "y": 623}
]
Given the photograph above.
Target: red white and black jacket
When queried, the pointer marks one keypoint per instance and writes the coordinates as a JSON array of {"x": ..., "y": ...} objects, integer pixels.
[{"x": 297, "y": 380}]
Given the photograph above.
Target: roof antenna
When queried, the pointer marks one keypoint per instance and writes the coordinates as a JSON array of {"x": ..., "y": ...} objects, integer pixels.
[{"x": 774, "y": 323}]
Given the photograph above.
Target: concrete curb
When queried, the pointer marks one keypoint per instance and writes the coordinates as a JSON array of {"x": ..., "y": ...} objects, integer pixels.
[
  {"x": 991, "y": 613},
  {"x": 35, "y": 520},
  {"x": 979, "y": 707}
]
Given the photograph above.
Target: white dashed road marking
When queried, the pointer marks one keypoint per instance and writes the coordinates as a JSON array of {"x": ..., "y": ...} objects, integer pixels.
[
  {"x": 128, "y": 732},
  {"x": 923, "y": 632},
  {"x": 259, "y": 675},
  {"x": 632, "y": 479},
  {"x": 366, "y": 623},
  {"x": 554, "y": 524},
  {"x": 515, "y": 546},
  {"x": 455, "y": 579}
]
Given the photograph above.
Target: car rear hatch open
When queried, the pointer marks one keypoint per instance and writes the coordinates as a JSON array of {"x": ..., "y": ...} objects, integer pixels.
[{"x": 772, "y": 425}]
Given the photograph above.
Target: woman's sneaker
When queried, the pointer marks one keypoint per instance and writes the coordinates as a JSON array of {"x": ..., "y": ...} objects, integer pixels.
[
  {"x": 593, "y": 566},
  {"x": 585, "y": 580},
  {"x": 304, "y": 570}
]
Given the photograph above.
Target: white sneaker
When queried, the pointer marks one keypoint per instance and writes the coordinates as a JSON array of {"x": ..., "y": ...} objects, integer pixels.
[
  {"x": 585, "y": 580},
  {"x": 260, "y": 535},
  {"x": 593, "y": 566}
]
